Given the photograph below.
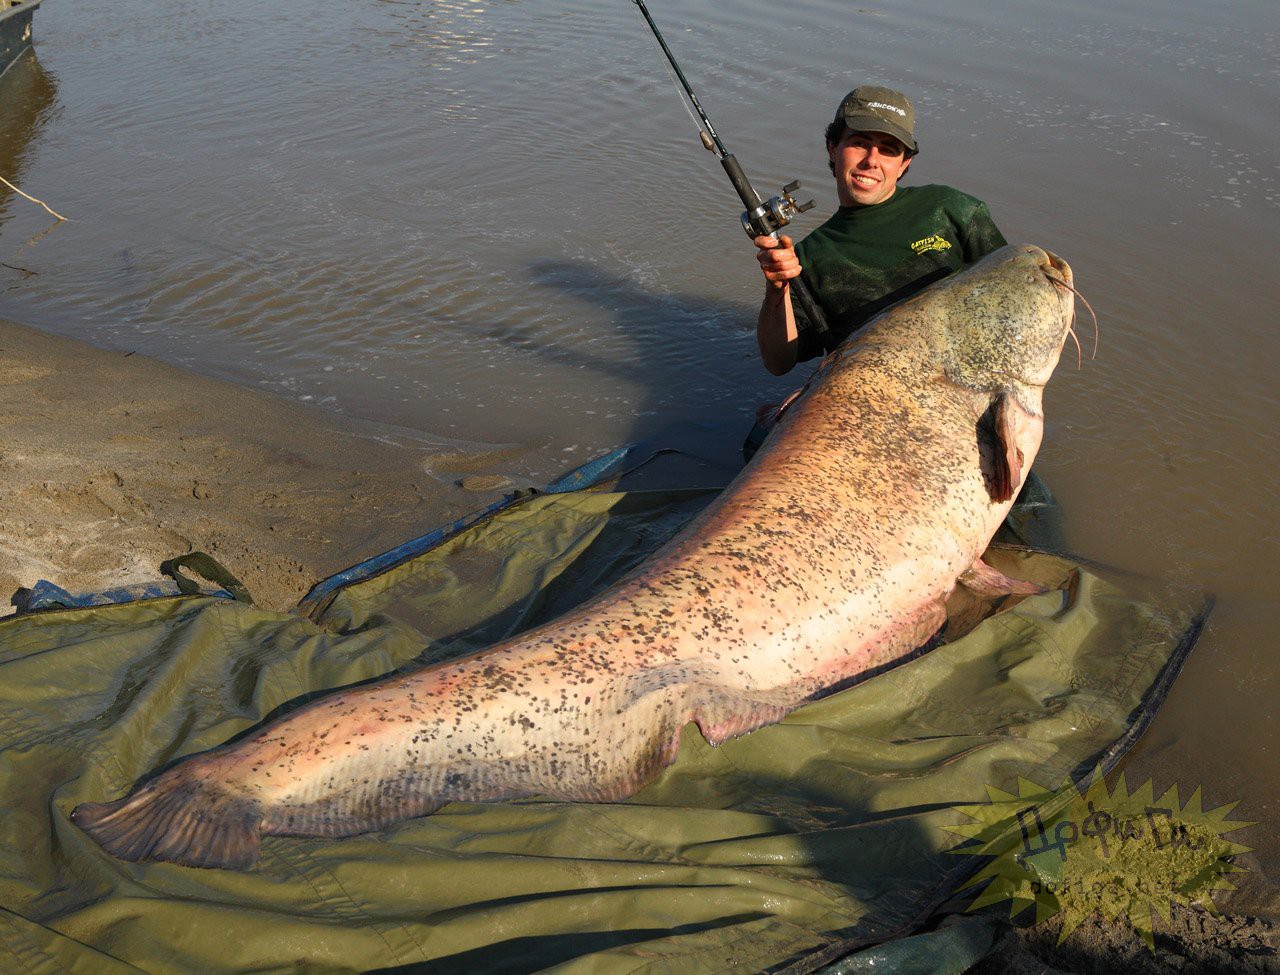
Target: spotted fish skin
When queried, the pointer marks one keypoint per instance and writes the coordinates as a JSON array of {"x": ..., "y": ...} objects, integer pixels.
[{"x": 830, "y": 555}]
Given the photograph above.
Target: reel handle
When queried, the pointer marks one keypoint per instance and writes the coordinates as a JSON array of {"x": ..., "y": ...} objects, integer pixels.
[{"x": 771, "y": 215}]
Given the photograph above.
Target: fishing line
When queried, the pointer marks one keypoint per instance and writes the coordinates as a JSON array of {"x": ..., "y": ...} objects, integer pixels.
[{"x": 675, "y": 83}]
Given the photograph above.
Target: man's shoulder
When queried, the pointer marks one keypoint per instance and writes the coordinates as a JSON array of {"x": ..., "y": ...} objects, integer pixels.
[
  {"x": 969, "y": 218},
  {"x": 822, "y": 235},
  {"x": 937, "y": 194}
]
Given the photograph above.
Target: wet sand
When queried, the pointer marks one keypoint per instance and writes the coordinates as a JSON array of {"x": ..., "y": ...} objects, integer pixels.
[{"x": 112, "y": 462}]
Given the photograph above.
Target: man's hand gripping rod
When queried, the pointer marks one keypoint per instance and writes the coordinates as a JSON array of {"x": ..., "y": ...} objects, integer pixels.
[{"x": 762, "y": 218}]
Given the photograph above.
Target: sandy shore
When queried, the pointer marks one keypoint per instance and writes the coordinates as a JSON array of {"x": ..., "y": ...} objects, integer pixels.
[{"x": 112, "y": 462}]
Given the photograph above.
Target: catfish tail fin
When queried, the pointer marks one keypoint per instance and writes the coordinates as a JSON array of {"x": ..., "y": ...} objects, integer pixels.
[{"x": 191, "y": 823}]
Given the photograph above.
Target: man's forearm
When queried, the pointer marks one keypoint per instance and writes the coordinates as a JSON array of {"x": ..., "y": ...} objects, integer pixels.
[{"x": 776, "y": 330}]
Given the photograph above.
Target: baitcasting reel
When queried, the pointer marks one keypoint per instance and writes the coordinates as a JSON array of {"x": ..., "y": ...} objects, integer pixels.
[{"x": 774, "y": 213}]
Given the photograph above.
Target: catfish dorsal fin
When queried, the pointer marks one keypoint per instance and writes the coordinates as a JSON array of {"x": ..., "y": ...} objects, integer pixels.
[{"x": 988, "y": 581}]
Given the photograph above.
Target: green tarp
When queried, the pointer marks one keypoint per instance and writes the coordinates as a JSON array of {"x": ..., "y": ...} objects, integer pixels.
[{"x": 780, "y": 850}]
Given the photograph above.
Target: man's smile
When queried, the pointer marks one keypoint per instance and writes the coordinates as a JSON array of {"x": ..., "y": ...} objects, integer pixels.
[{"x": 867, "y": 167}]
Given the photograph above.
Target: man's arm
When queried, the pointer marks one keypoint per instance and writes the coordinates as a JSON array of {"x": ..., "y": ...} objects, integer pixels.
[{"x": 776, "y": 325}]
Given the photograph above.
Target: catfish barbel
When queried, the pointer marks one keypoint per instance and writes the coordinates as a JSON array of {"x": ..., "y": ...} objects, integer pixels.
[{"x": 829, "y": 556}]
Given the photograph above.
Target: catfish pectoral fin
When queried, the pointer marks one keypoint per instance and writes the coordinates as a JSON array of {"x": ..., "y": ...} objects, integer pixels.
[
  {"x": 985, "y": 580},
  {"x": 193, "y": 823},
  {"x": 1001, "y": 427},
  {"x": 980, "y": 590}
]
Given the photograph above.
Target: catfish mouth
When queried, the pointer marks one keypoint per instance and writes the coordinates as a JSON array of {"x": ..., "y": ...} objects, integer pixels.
[
  {"x": 1058, "y": 272},
  {"x": 1056, "y": 268}
]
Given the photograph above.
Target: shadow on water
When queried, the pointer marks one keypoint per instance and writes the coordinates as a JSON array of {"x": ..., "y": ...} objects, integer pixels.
[
  {"x": 665, "y": 331},
  {"x": 693, "y": 356},
  {"x": 683, "y": 320}
]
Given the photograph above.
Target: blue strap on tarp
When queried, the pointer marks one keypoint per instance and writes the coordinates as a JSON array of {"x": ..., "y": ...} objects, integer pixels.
[
  {"x": 593, "y": 471},
  {"x": 46, "y": 595}
]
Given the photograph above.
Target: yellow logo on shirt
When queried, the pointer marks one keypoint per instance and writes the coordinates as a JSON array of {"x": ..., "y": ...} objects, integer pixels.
[{"x": 931, "y": 243}]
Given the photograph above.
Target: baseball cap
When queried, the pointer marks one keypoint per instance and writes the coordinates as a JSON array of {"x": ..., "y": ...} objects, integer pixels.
[{"x": 870, "y": 108}]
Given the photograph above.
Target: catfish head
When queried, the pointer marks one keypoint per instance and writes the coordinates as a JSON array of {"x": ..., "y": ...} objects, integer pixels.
[{"x": 1008, "y": 318}]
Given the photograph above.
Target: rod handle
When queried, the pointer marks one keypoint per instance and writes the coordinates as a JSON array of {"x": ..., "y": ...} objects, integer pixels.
[
  {"x": 750, "y": 198},
  {"x": 817, "y": 320}
]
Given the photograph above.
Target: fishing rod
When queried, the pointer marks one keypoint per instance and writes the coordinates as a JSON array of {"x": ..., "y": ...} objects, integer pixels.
[{"x": 762, "y": 218}]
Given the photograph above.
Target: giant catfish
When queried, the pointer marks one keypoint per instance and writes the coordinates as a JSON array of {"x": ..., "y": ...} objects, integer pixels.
[{"x": 830, "y": 555}]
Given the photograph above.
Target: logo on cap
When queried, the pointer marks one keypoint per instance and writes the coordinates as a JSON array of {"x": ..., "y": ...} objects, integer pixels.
[{"x": 891, "y": 108}]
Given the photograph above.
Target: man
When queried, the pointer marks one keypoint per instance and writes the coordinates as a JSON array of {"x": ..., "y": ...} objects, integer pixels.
[{"x": 886, "y": 241}]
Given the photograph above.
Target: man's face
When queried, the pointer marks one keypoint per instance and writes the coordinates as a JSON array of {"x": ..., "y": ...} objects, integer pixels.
[{"x": 868, "y": 166}]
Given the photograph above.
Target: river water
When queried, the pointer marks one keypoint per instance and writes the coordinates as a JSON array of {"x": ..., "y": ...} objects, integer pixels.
[{"x": 491, "y": 222}]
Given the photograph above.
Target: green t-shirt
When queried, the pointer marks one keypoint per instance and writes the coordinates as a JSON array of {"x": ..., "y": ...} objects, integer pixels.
[{"x": 866, "y": 258}]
